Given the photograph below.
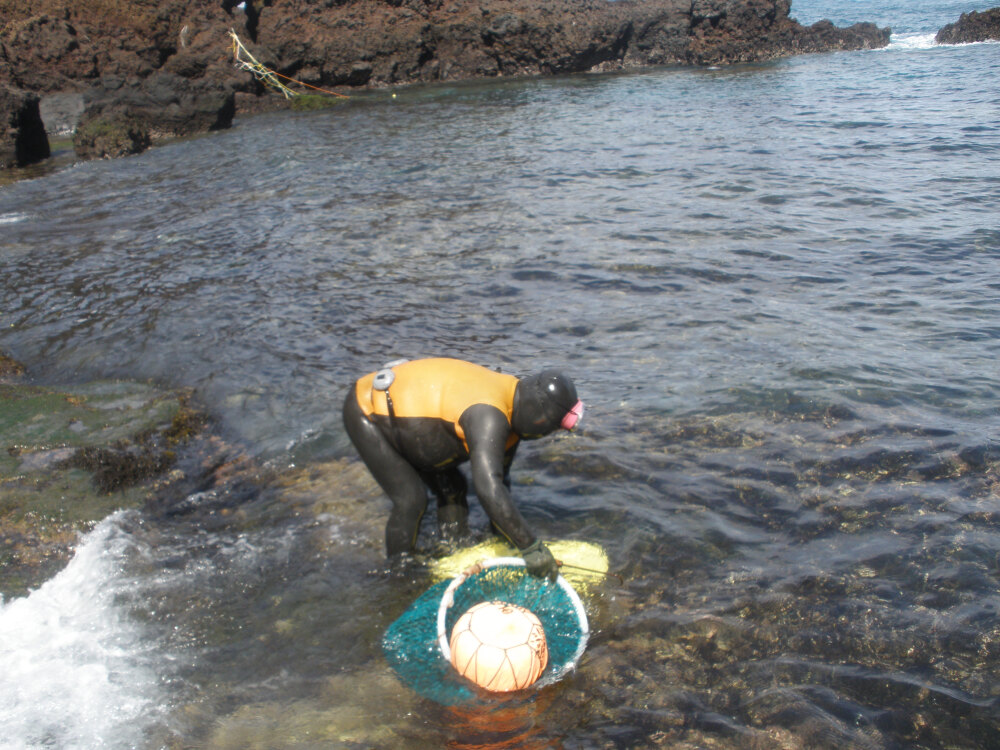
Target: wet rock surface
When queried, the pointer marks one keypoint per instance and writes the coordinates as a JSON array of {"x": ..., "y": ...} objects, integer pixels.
[
  {"x": 971, "y": 27},
  {"x": 69, "y": 457}
]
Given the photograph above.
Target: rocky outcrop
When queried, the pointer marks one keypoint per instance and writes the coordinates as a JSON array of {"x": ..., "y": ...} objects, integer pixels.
[
  {"x": 46, "y": 53},
  {"x": 108, "y": 135},
  {"x": 175, "y": 53},
  {"x": 125, "y": 117},
  {"x": 143, "y": 70},
  {"x": 58, "y": 45},
  {"x": 971, "y": 27},
  {"x": 382, "y": 43},
  {"x": 22, "y": 134},
  {"x": 727, "y": 31}
]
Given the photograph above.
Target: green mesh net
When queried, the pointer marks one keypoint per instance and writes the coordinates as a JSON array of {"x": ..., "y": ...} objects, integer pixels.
[{"x": 416, "y": 644}]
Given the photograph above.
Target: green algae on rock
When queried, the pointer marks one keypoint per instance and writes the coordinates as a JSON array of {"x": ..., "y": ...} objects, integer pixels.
[{"x": 69, "y": 458}]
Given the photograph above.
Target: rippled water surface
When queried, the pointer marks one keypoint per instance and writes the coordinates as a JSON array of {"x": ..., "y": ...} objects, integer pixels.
[{"x": 778, "y": 289}]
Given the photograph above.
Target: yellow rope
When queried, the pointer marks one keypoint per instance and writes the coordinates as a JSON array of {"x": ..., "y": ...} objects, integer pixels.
[{"x": 246, "y": 61}]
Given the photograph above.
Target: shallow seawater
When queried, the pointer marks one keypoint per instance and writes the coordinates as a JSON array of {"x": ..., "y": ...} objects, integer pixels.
[{"x": 777, "y": 287}]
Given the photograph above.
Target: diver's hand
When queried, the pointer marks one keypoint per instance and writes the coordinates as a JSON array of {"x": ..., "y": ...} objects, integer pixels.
[{"x": 540, "y": 562}]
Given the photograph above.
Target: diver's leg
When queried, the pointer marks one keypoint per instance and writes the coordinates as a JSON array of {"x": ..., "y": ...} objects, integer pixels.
[
  {"x": 450, "y": 488},
  {"x": 394, "y": 474}
]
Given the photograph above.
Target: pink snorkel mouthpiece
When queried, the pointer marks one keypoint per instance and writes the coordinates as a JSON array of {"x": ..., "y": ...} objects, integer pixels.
[{"x": 573, "y": 416}]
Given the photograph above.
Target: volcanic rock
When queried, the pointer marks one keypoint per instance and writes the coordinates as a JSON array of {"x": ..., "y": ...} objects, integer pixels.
[
  {"x": 381, "y": 42},
  {"x": 971, "y": 27},
  {"x": 46, "y": 53},
  {"x": 736, "y": 31},
  {"x": 176, "y": 54},
  {"x": 122, "y": 118},
  {"x": 22, "y": 133},
  {"x": 54, "y": 44},
  {"x": 147, "y": 69},
  {"x": 58, "y": 45}
]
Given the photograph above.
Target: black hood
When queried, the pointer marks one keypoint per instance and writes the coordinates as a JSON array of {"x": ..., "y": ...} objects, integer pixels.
[{"x": 540, "y": 403}]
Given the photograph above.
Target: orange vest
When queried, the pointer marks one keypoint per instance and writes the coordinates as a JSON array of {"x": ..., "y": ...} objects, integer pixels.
[{"x": 440, "y": 389}]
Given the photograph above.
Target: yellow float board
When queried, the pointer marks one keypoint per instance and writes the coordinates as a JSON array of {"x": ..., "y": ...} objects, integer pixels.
[{"x": 570, "y": 552}]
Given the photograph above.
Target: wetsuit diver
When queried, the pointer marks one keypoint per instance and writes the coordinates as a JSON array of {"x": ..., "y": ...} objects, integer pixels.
[{"x": 414, "y": 422}]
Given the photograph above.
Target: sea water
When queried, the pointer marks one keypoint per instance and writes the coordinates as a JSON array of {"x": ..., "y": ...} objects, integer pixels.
[
  {"x": 77, "y": 671},
  {"x": 777, "y": 288}
]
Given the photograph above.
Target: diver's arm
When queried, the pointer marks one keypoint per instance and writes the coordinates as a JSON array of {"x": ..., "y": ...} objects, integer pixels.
[
  {"x": 508, "y": 459},
  {"x": 486, "y": 430}
]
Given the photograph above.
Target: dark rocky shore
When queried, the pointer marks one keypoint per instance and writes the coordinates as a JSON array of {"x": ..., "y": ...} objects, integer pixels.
[{"x": 121, "y": 76}]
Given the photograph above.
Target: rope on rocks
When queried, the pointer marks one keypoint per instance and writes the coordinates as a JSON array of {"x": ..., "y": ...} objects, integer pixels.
[{"x": 246, "y": 61}]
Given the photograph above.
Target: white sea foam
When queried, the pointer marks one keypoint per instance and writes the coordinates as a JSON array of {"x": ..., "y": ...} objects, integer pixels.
[
  {"x": 911, "y": 41},
  {"x": 924, "y": 41},
  {"x": 72, "y": 669}
]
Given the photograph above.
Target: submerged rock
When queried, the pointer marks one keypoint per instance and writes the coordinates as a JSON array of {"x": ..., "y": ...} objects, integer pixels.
[
  {"x": 340, "y": 717},
  {"x": 69, "y": 458},
  {"x": 971, "y": 27},
  {"x": 10, "y": 368}
]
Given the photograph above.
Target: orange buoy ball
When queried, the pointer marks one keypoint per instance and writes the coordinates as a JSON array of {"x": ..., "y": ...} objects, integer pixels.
[{"x": 499, "y": 646}]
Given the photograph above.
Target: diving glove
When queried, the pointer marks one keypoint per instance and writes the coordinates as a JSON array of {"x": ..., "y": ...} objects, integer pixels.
[{"x": 539, "y": 561}]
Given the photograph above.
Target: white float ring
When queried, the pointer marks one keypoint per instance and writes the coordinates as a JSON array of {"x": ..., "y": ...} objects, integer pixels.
[{"x": 448, "y": 599}]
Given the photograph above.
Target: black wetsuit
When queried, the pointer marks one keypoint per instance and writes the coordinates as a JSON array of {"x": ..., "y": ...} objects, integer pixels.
[{"x": 434, "y": 415}]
